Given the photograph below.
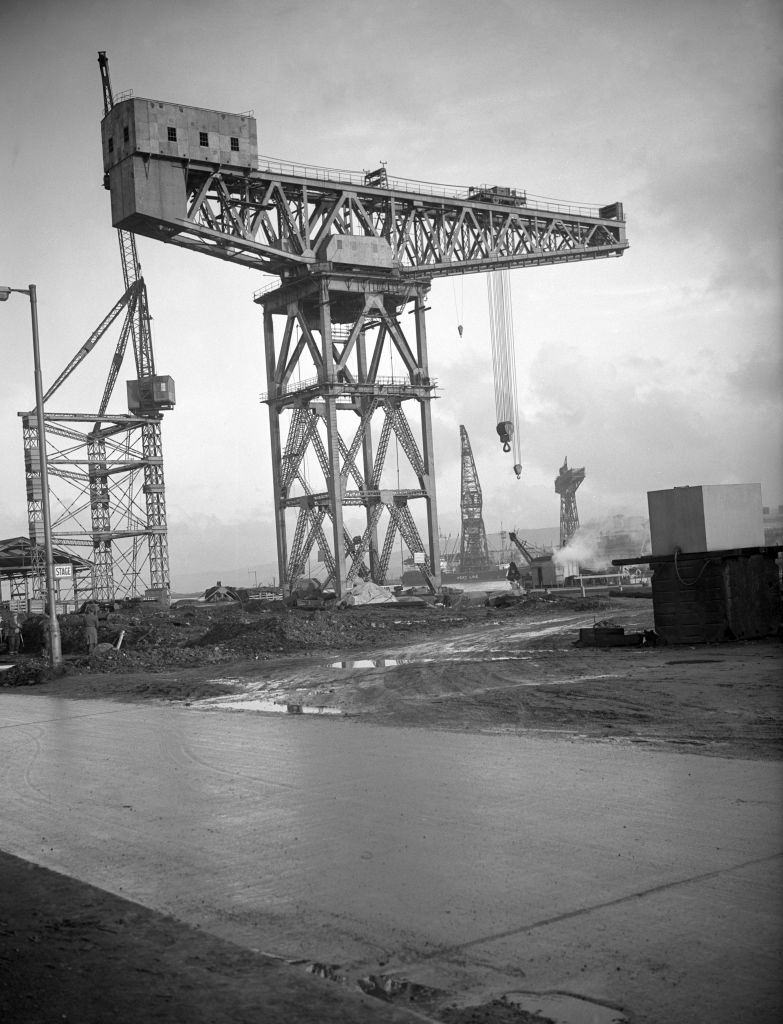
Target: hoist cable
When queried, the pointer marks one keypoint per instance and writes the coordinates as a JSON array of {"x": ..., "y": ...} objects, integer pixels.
[{"x": 501, "y": 326}]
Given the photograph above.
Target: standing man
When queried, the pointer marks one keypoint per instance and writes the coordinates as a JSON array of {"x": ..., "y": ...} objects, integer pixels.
[
  {"x": 90, "y": 628},
  {"x": 14, "y": 634},
  {"x": 513, "y": 575}
]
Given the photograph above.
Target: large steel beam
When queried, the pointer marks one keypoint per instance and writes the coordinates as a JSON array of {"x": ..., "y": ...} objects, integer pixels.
[{"x": 280, "y": 217}]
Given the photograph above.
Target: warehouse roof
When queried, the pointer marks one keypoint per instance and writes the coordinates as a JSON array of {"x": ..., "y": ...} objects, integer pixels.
[{"x": 19, "y": 555}]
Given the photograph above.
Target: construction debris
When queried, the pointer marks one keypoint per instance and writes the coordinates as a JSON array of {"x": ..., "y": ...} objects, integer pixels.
[
  {"x": 605, "y": 634},
  {"x": 158, "y": 640}
]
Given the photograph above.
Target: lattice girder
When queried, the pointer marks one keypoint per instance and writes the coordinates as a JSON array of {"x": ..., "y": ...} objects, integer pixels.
[
  {"x": 278, "y": 221},
  {"x": 107, "y": 493},
  {"x": 474, "y": 549}
]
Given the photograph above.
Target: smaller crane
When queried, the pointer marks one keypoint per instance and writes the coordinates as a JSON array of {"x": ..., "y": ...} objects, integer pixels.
[
  {"x": 566, "y": 485},
  {"x": 520, "y": 544},
  {"x": 474, "y": 551}
]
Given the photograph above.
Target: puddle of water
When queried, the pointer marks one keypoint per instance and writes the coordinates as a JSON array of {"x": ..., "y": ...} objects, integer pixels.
[
  {"x": 565, "y": 1009},
  {"x": 465, "y": 655},
  {"x": 368, "y": 663},
  {"x": 274, "y": 706}
]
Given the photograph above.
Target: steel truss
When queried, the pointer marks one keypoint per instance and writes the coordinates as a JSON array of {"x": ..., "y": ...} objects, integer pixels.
[
  {"x": 104, "y": 478},
  {"x": 566, "y": 485},
  {"x": 474, "y": 551},
  {"x": 334, "y": 415},
  {"x": 278, "y": 217},
  {"x": 106, "y": 481}
]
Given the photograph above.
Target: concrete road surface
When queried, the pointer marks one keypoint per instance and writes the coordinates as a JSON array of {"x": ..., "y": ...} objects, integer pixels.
[{"x": 596, "y": 881}]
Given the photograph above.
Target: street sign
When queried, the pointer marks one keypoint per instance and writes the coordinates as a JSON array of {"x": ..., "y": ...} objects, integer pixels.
[{"x": 64, "y": 571}]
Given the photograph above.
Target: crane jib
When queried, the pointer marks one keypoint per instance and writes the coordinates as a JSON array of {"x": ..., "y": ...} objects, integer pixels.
[{"x": 191, "y": 176}]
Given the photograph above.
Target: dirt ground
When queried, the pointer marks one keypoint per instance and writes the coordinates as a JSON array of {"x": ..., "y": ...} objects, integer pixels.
[
  {"x": 474, "y": 667},
  {"x": 465, "y": 667}
]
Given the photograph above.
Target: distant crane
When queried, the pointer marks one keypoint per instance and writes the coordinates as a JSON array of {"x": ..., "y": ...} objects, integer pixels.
[
  {"x": 474, "y": 550},
  {"x": 521, "y": 545},
  {"x": 566, "y": 484},
  {"x": 353, "y": 251}
]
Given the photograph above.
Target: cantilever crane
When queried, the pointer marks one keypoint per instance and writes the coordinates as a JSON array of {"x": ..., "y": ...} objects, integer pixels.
[
  {"x": 352, "y": 252},
  {"x": 566, "y": 485}
]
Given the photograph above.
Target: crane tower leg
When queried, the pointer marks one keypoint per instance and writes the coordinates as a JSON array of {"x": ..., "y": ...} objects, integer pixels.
[
  {"x": 340, "y": 374},
  {"x": 365, "y": 404},
  {"x": 100, "y": 514}
]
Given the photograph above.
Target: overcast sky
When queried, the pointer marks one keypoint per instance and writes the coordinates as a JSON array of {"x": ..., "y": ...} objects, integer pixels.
[{"x": 659, "y": 369}]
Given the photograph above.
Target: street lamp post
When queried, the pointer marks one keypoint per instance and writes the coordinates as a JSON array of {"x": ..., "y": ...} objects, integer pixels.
[{"x": 55, "y": 644}]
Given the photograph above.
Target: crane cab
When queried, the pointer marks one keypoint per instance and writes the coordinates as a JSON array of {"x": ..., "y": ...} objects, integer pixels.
[
  {"x": 140, "y": 136},
  {"x": 150, "y": 394},
  {"x": 153, "y": 128}
]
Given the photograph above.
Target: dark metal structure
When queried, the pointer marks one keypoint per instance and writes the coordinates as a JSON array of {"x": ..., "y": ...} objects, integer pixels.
[
  {"x": 474, "y": 551},
  {"x": 353, "y": 252},
  {"x": 566, "y": 484},
  {"x": 106, "y": 469},
  {"x": 714, "y": 596}
]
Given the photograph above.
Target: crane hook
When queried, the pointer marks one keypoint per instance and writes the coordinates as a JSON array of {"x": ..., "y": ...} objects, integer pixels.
[{"x": 505, "y": 430}]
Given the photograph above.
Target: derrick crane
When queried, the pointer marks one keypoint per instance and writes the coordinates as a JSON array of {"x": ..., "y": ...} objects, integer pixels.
[
  {"x": 352, "y": 252},
  {"x": 521, "y": 547},
  {"x": 566, "y": 484},
  {"x": 473, "y": 551},
  {"x": 107, "y": 469}
]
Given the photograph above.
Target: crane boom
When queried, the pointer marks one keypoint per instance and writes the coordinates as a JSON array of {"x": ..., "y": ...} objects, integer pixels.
[
  {"x": 192, "y": 177},
  {"x": 520, "y": 544}
]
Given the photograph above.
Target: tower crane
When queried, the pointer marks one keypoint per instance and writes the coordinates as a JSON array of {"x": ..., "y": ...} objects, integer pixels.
[
  {"x": 107, "y": 469},
  {"x": 352, "y": 252},
  {"x": 474, "y": 550}
]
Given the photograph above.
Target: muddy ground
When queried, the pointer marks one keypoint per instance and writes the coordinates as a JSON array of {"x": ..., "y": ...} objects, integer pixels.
[
  {"x": 470, "y": 667},
  {"x": 473, "y": 667}
]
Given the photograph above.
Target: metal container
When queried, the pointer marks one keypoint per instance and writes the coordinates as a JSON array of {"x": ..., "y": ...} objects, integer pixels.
[{"x": 706, "y": 518}]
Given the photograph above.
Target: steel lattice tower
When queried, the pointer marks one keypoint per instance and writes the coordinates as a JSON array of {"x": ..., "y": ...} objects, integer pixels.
[
  {"x": 566, "y": 485},
  {"x": 474, "y": 551},
  {"x": 333, "y": 417}
]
